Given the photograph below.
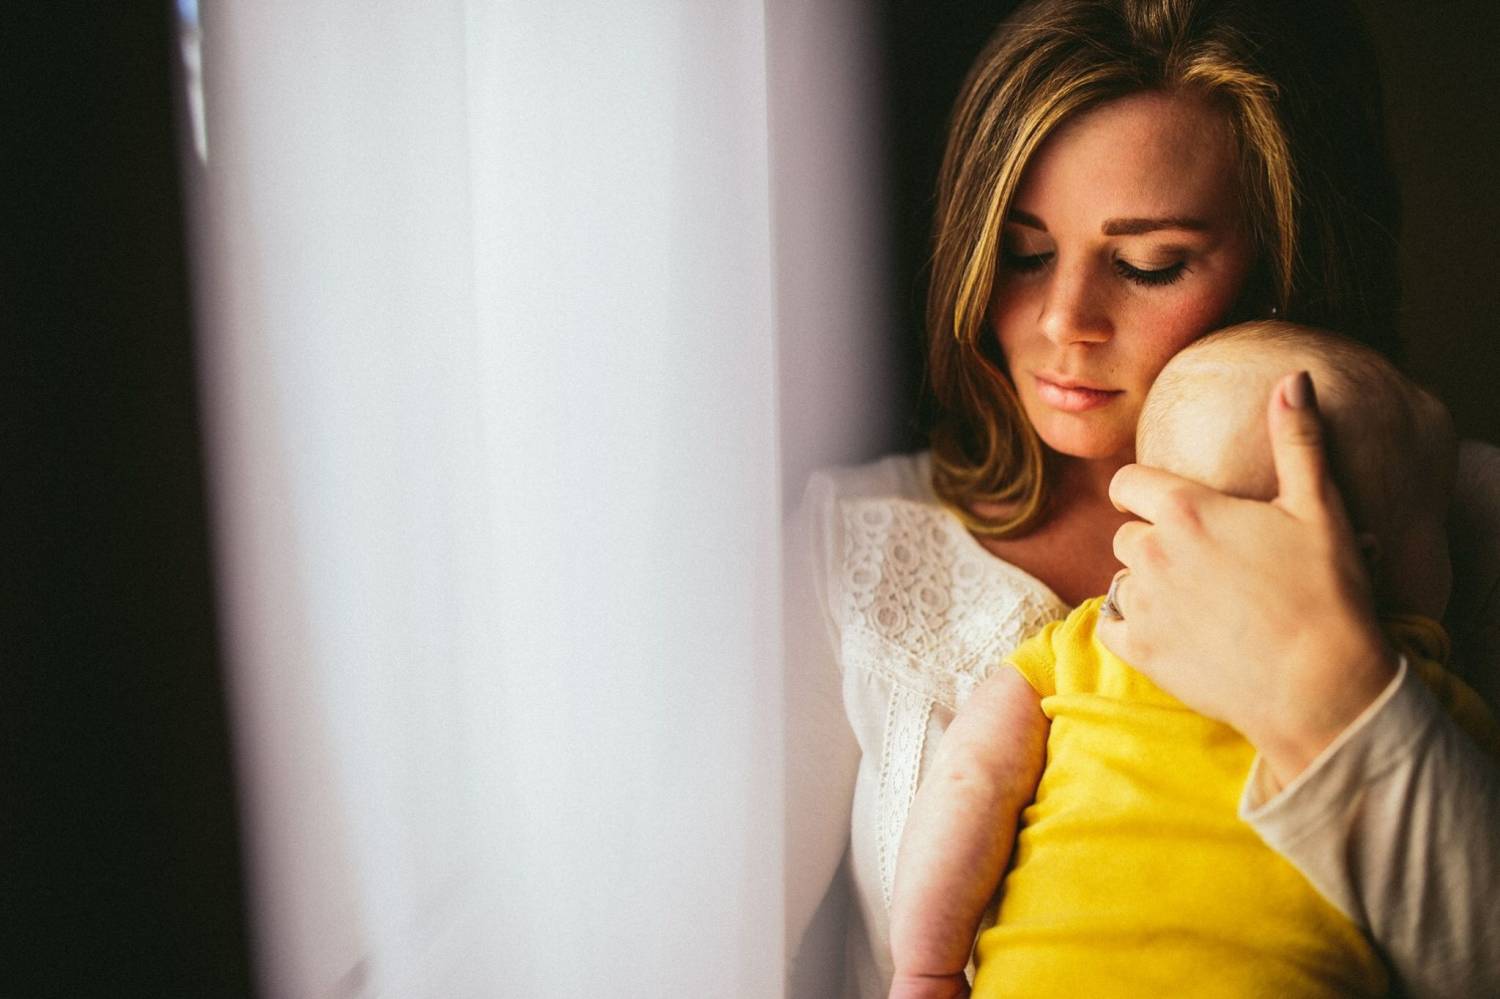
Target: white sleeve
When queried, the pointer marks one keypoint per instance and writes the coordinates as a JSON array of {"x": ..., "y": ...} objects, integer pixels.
[
  {"x": 822, "y": 756},
  {"x": 1397, "y": 823}
]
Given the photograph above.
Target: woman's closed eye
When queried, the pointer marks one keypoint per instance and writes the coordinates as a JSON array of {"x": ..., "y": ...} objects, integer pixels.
[
  {"x": 1024, "y": 262},
  {"x": 1151, "y": 277}
]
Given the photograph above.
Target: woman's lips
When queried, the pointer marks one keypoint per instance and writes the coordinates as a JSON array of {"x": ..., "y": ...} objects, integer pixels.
[{"x": 1072, "y": 397}]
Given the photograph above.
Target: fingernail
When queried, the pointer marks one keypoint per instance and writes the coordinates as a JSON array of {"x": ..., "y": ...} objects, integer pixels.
[{"x": 1299, "y": 394}]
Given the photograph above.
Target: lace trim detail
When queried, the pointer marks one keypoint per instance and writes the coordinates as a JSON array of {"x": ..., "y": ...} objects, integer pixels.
[
  {"x": 920, "y": 601},
  {"x": 905, "y": 726}
]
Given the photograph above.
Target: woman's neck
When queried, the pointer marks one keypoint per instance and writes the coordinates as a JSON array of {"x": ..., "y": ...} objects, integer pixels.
[
  {"x": 1084, "y": 482},
  {"x": 1071, "y": 550}
]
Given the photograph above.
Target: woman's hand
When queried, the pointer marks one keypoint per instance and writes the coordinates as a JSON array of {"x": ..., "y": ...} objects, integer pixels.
[{"x": 1256, "y": 614}]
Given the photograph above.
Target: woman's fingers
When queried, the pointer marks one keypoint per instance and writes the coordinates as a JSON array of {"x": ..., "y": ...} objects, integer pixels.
[
  {"x": 1305, "y": 485},
  {"x": 1111, "y": 608},
  {"x": 1211, "y": 575},
  {"x": 1156, "y": 495},
  {"x": 1130, "y": 542},
  {"x": 1113, "y": 627},
  {"x": 1305, "y": 488}
]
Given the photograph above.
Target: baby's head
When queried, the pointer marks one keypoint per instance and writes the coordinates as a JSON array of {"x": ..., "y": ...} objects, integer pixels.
[{"x": 1390, "y": 444}]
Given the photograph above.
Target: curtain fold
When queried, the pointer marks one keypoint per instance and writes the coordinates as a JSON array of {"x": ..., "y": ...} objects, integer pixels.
[{"x": 490, "y": 355}]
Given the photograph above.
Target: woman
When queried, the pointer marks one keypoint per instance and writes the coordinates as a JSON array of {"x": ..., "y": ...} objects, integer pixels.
[{"x": 1121, "y": 178}]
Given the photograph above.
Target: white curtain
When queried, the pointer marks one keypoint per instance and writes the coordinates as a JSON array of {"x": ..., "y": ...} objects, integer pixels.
[{"x": 505, "y": 389}]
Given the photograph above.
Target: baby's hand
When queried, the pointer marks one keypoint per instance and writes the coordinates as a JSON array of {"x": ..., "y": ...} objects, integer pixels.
[{"x": 908, "y": 986}]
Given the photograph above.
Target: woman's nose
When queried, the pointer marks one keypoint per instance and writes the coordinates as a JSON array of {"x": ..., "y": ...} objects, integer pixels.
[{"x": 1076, "y": 308}]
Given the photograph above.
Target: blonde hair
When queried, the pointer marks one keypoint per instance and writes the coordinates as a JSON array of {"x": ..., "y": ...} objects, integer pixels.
[{"x": 1308, "y": 196}]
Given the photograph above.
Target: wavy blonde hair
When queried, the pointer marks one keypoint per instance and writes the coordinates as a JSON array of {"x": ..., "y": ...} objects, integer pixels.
[{"x": 1303, "y": 104}]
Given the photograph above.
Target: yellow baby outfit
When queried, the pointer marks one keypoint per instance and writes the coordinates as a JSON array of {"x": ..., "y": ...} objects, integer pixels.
[{"x": 1133, "y": 874}]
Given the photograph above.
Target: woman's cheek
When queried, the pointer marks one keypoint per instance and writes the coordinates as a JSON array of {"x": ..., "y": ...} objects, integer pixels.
[
  {"x": 1188, "y": 321},
  {"x": 1006, "y": 324}
]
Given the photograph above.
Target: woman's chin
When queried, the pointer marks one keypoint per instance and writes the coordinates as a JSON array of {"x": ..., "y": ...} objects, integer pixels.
[{"x": 1090, "y": 446}]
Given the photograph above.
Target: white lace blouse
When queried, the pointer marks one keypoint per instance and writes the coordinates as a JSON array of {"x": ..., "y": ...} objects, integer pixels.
[
  {"x": 895, "y": 612},
  {"x": 915, "y": 613}
]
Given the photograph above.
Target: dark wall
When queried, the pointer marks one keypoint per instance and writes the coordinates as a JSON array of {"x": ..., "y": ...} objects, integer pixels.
[
  {"x": 927, "y": 50},
  {"x": 1442, "y": 90},
  {"x": 119, "y": 856},
  {"x": 1442, "y": 97}
]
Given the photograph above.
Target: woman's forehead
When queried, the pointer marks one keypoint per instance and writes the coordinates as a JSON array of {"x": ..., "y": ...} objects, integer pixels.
[{"x": 1147, "y": 157}]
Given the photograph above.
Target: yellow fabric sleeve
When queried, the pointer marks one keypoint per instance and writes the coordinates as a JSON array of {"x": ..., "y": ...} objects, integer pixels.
[{"x": 1036, "y": 658}]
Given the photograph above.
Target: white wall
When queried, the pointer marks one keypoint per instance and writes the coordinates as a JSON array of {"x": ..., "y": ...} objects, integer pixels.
[{"x": 834, "y": 309}]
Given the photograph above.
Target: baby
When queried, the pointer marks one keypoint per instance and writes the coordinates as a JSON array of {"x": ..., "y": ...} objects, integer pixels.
[{"x": 1132, "y": 873}]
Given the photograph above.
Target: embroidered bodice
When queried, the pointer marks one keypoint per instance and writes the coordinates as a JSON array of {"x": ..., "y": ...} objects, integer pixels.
[
  {"x": 922, "y": 604},
  {"x": 918, "y": 613}
]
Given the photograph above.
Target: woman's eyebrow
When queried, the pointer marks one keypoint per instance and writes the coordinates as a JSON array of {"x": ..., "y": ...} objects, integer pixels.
[
  {"x": 1118, "y": 227},
  {"x": 1135, "y": 227}
]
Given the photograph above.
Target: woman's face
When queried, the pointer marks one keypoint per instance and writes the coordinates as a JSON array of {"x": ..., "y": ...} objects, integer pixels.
[{"x": 1124, "y": 243}]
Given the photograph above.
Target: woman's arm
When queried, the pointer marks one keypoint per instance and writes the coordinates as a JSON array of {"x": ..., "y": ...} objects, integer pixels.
[
  {"x": 1396, "y": 824},
  {"x": 960, "y": 832},
  {"x": 1367, "y": 786}
]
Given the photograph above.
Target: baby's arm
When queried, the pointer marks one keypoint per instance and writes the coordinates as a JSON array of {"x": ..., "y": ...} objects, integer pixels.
[{"x": 960, "y": 831}]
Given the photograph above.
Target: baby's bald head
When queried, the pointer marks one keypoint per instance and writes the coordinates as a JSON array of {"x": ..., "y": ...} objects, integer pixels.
[{"x": 1390, "y": 444}]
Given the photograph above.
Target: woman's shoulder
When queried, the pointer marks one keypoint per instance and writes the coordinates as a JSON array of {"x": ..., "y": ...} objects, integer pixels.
[
  {"x": 910, "y": 594},
  {"x": 1475, "y": 513},
  {"x": 1478, "y": 471},
  {"x": 894, "y": 477},
  {"x": 1473, "y": 617},
  {"x": 876, "y": 488}
]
